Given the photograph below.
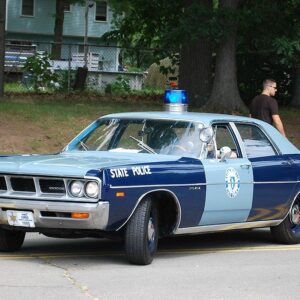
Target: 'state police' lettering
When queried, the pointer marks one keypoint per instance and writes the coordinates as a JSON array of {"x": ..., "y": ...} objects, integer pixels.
[{"x": 136, "y": 171}]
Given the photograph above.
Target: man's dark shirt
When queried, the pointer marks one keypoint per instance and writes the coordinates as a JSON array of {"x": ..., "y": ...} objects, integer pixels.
[{"x": 263, "y": 107}]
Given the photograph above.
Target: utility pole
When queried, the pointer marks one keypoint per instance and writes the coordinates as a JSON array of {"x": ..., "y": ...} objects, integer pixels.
[
  {"x": 88, "y": 4},
  {"x": 85, "y": 40},
  {"x": 2, "y": 44},
  {"x": 83, "y": 71}
]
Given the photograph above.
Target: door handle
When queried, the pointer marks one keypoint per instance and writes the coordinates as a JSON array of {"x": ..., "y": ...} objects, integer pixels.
[
  {"x": 245, "y": 166},
  {"x": 287, "y": 163}
]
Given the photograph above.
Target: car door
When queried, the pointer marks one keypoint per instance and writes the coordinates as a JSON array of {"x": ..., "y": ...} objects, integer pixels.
[
  {"x": 274, "y": 174},
  {"x": 229, "y": 182}
]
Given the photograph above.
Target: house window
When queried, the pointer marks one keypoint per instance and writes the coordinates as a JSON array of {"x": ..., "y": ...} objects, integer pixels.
[
  {"x": 101, "y": 11},
  {"x": 27, "y": 8},
  {"x": 67, "y": 6}
]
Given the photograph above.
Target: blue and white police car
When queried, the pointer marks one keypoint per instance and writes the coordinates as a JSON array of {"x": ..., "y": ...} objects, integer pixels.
[{"x": 147, "y": 175}]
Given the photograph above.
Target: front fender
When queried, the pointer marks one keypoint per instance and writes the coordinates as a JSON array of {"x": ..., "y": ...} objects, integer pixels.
[{"x": 124, "y": 187}]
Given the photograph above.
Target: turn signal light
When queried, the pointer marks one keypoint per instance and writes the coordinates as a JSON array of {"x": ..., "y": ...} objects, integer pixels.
[
  {"x": 79, "y": 215},
  {"x": 120, "y": 194}
]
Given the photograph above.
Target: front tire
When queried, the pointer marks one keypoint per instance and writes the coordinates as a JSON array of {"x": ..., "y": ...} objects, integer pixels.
[
  {"x": 11, "y": 240},
  {"x": 288, "y": 232},
  {"x": 141, "y": 233}
]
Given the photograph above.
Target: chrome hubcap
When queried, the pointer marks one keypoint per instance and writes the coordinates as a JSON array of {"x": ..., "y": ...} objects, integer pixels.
[
  {"x": 295, "y": 214},
  {"x": 151, "y": 230}
]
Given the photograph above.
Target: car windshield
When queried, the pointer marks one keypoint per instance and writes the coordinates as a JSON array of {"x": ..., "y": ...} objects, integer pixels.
[{"x": 141, "y": 136}]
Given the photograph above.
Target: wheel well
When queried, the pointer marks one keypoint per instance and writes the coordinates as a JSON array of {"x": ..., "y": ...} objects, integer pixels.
[
  {"x": 296, "y": 198},
  {"x": 168, "y": 211}
]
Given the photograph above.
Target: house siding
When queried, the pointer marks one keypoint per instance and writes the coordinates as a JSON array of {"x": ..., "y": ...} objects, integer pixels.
[{"x": 42, "y": 23}]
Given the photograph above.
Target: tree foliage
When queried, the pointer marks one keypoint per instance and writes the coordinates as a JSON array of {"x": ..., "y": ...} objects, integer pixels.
[
  {"x": 264, "y": 35},
  {"x": 268, "y": 46}
]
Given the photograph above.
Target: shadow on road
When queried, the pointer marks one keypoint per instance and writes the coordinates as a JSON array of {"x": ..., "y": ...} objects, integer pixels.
[{"x": 41, "y": 246}]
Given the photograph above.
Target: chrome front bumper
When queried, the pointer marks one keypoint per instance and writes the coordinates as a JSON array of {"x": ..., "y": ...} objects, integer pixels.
[{"x": 98, "y": 213}]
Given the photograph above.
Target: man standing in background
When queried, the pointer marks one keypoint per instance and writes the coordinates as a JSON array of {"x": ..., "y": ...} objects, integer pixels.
[{"x": 265, "y": 107}]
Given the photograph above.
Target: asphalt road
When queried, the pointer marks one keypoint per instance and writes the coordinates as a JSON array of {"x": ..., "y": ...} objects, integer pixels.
[{"x": 236, "y": 265}]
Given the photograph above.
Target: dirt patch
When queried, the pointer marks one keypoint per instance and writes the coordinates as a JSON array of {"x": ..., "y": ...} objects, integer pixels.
[{"x": 18, "y": 136}]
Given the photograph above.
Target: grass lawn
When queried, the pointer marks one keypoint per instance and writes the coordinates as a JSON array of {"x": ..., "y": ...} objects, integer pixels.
[{"x": 43, "y": 126}]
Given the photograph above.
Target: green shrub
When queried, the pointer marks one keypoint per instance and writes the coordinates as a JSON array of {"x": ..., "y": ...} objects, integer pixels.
[
  {"x": 120, "y": 86},
  {"x": 39, "y": 70}
]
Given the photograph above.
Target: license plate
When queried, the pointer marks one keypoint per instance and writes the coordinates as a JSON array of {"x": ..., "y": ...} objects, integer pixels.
[{"x": 20, "y": 218}]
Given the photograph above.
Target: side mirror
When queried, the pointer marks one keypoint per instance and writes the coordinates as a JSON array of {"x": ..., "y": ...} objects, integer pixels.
[
  {"x": 206, "y": 134},
  {"x": 225, "y": 153}
]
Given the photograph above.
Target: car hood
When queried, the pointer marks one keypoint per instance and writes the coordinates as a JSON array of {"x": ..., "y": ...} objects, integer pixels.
[{"x": 74, "y": 163}]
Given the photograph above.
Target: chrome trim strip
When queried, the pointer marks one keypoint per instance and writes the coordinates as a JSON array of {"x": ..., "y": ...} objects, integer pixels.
[
  {"x": 154, "y": 185},
  {"x": 37, "y": 186},
  {"x": 8, "y": 185},
  {"x": 142, "y": 197},
  {"x": 274, "y": 182},
  {"x": 225, "y": 227},
  {"x": 194, "y": 184}
]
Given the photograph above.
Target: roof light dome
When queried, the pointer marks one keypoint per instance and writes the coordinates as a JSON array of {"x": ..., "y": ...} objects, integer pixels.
[{"x": 176, "y": 100}]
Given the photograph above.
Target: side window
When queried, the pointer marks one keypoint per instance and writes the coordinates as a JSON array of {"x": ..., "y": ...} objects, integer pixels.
[
  {"x": 223, "y": 137},
  {"x": 256, "y": 142}
]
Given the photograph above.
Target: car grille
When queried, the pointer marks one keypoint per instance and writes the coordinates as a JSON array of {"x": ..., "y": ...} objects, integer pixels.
[
  {"x": 2, "y": 184},
  {"x": 38, "y": 188},
  {"x": 55, "y": 186},
  {"x": 21, "y": 184}
]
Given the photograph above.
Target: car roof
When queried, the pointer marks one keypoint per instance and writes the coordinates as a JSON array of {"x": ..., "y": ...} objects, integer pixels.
[{"x": 205, "y": 118}]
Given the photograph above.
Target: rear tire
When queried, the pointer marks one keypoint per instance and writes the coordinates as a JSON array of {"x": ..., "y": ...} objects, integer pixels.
[
  {"x": 288, "y": 232},
  {"x": 141, "y": 233},
  {"x": 11, "y": 240}
]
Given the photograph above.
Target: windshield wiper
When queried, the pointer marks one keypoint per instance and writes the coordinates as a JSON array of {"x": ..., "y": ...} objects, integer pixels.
[
  {"x": 84, "y": 146},
  {"x": 142, "y": 145}
]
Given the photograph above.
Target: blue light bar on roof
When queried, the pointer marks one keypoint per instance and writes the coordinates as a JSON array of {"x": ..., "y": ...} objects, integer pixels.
[
  {"x": 176, "y": 97},
  {"x": 176, "y": 100}
]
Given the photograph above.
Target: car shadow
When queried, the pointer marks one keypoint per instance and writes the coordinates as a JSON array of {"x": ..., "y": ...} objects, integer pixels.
[
  {"x": 228, "y": 239},
  {"x": 112, "y": 251}
]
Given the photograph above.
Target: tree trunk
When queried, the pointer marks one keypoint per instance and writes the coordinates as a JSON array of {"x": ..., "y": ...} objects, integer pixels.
[
  {"x": 58, "y": 29},
  {"x": 296, "y": 91},
  {"x": 195, "y": 73},
  {"x": 195, "y": 69},
  {"x": 225, "y": 96}
]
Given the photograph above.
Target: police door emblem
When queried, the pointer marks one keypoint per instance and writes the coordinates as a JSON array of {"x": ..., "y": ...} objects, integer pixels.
[{"x": 232, "y": 182}]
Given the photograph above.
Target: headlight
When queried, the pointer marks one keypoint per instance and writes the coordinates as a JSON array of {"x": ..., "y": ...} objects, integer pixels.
[
  {"x": 92, "y": 189},
  {"x": 76, "y": 188}
]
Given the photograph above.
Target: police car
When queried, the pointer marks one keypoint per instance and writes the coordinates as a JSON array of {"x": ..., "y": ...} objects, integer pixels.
[{"x": 147, "y": 175}]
